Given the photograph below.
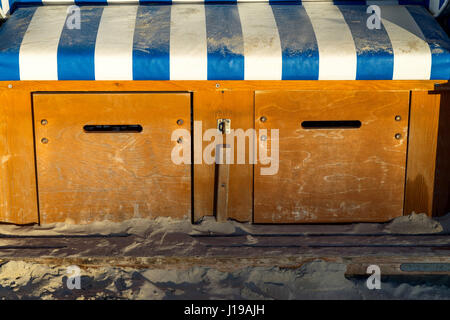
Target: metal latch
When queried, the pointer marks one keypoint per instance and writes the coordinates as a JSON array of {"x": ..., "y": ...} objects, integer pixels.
[{"x": 224, "y": 126}]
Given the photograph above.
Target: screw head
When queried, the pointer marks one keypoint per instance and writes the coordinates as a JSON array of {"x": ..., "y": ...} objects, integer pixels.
[
  {"x": 44, "y": 122},
  {"x": 179, "y": 140},
  {"x": 398, "y": 118},
  {"x": 180, "y": 122},
  {"x": 398, "y": 136},
  {"x": 263, "y": 119},
  {"x": 263, "y": 138},
  {"x": 44, "y": 140},
  {"x": 9, "y": 86},
  {"x": 217, "y": 85}
]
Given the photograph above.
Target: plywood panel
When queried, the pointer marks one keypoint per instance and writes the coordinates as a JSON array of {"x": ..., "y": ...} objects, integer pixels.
[
  {"x": 18, "y": 181},
  {"x": 332, "y": 175},
  {"x": 423, "y": 134},
  {"x": 18, "y": 201},
  {"x": 85, "y": 177},
  {"x": 209, "y": 106},
  {"x": 238, "y": 85}
]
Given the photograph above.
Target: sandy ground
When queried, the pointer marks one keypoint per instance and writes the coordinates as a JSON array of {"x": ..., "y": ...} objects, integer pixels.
[
  {"x": 314, "y": 280},
  {"x": 411, "y": 224}
]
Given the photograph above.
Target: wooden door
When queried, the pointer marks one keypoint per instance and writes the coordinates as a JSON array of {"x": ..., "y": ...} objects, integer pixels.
[
  {"x": 107, "y": 156},
  {"x": 342, "y": 156}
]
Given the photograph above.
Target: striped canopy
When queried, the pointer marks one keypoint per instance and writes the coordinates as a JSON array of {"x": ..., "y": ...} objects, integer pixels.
[{"x": 245, "y": 41}]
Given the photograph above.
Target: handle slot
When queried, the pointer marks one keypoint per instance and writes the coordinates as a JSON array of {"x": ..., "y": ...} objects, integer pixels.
[
  {"x": 332, "y": 124},
  {"x": 112, "y": 128}
]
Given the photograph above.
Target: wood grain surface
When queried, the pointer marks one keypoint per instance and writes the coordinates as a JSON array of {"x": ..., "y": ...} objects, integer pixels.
[
  {"x": 85, "y": 177},
  {"x": 333, "y": 175},
  {"x": 211, "y": 100}
]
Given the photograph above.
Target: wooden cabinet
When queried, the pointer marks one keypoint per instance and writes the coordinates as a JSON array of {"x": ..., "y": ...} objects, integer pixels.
[
  {"x": 349, "y": 151},
  {"x": 107, "y": 156},
  {"x": 342, "y": 156}
]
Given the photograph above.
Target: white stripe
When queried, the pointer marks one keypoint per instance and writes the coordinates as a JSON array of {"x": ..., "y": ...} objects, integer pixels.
[
  {"x": 58, "y": 1},
  {"x": 4, "y": 8},
  {"x": 434, "y": 6},
  {"x": 39, "y": 49},
  {"x": 412, "y": 55},
  {"x": 337, "y": 52},
  {"x": 262, "y": 47},
  {"x": 122, "y": 1},
  {"x": 114, "y": 45},
  {"x": 188, "y": 48}
]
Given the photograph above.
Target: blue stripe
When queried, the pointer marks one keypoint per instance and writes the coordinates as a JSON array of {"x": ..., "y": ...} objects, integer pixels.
[
  {"x": 412, "y": 2},
  {"x": 375, "y": 55},
  {"x": 76, "y": 50},
  {"x": 27, "y": 2},
  {"x": 438, "y": 41},
  {"x": 14, "y": 4},
  {"x": 11, "y": 36},
  {"x": 300, "y": 52},
  {"x": 225, "y": 43},
  {"x": 151, "y": 43}
]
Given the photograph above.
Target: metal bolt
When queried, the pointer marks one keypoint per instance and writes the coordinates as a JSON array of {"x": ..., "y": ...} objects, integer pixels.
[
  {"x": 44, "y": 122},
  {"x": 223, "y": 185},
  {"x": 398, "y": 136},
  {"x": 217, "y": 85},
  {"x": 263, "y": 119},
  {"x": 44, "y": 140},
  {"x": 263, "y": 138},
  {"x": 180, "y": 140},
  {"x": 398, "y": 118},
  {"x": 180, "y": 122},
  {"x": 10, "y": 86}
]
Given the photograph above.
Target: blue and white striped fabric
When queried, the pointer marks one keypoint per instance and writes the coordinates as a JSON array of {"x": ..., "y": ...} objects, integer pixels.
[
  {"x": 435, "y": 6},
  {"x": 245, "y": 41}
]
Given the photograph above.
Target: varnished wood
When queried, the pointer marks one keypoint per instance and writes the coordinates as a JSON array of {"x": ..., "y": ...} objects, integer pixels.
[
  {"x": 423, "y": 132},
  {"x": 239, "y": 107},
  {"x": 195, "y": 86},
  {"x": 338, "y": 175},
  {"x": 18, "y": 181},
  {"x": 208, "y": 106},
  {"x": 222, "y": 191},
  {"x": 86, "y": 177}
]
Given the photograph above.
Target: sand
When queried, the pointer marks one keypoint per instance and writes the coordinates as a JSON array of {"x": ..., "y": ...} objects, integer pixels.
[
  {"x": 410, "y": 224},
  {"x": 314, "y": 280}
]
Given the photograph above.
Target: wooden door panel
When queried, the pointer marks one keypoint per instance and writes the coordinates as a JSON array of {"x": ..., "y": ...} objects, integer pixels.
[
  {"x": 93, "y": 176},
  {"x": 333, "y": 174}
]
